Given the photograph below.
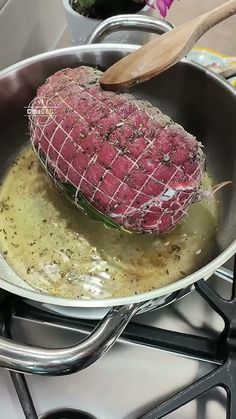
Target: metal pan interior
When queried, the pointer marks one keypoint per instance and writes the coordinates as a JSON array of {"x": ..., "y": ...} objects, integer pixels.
[{"x": 203, "y": 105}]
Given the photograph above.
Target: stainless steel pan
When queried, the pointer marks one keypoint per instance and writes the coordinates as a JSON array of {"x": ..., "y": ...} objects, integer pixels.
[{"x": 195, "y": 97}]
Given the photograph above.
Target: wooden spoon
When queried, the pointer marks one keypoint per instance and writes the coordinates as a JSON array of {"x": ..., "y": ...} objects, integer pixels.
[{"x": 164, "y": 51}]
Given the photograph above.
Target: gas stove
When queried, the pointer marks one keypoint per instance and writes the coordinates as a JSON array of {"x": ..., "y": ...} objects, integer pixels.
[{"x": 177, "y": 362}]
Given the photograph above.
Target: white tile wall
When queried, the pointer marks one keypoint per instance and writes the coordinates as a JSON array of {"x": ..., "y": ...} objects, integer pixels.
[{"x": 28, "y": 27}]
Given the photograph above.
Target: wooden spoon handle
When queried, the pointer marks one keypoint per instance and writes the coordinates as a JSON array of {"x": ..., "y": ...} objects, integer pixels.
[
  {"x": 165, "y": 51},
  {"x": 209, "y": 19},
  {"x": 203, "y": 23},
  {"x": 218, "y": 14}
]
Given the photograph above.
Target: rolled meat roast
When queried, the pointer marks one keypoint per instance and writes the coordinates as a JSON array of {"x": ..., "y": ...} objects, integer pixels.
[{"x": 117, "y": 157}]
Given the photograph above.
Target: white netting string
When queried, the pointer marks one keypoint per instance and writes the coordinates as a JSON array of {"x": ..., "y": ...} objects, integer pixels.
[{"x": 71, "y": 90}]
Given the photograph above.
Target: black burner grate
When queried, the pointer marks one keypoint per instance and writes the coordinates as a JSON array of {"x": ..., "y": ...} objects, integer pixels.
[{"x": 220, "y": 351}]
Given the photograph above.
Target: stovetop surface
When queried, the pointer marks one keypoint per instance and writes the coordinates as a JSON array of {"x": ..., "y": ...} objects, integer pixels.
[{"x": 131, "y": 378}]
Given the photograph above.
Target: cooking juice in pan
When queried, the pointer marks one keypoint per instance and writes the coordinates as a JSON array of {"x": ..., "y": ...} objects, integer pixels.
[{"x": 55, "y": 248}]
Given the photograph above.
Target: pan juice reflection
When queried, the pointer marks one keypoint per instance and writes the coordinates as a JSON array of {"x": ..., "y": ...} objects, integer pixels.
[{"x": 60, "y": 251}]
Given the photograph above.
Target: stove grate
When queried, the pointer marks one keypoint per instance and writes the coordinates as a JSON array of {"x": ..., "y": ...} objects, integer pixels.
[{"x": 220, "y": 350}]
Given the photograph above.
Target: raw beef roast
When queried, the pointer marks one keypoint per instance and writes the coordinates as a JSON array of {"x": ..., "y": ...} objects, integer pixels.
[{"x": 117, "y": 157}]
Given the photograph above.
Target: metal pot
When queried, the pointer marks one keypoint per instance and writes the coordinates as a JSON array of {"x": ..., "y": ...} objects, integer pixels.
[{"x": 195, "y": 97}]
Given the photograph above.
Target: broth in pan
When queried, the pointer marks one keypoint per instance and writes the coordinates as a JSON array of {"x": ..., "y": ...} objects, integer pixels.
[{"x": 60, "y": 251}]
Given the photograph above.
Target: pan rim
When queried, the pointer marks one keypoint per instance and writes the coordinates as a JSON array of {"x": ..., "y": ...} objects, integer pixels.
[{"x": 204, "y": 272}]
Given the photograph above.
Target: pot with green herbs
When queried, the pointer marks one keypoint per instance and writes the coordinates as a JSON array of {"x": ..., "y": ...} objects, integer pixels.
[{"x": 84, "y": 15}]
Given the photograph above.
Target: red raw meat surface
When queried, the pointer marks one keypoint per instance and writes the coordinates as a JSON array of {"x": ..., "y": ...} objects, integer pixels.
[{"x": 131, "y": 162}]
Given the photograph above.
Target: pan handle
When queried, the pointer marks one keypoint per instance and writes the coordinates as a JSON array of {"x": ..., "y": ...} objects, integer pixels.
[
  {"x": 34, "y": 360},
  {"x": 128, "y": 22}
]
